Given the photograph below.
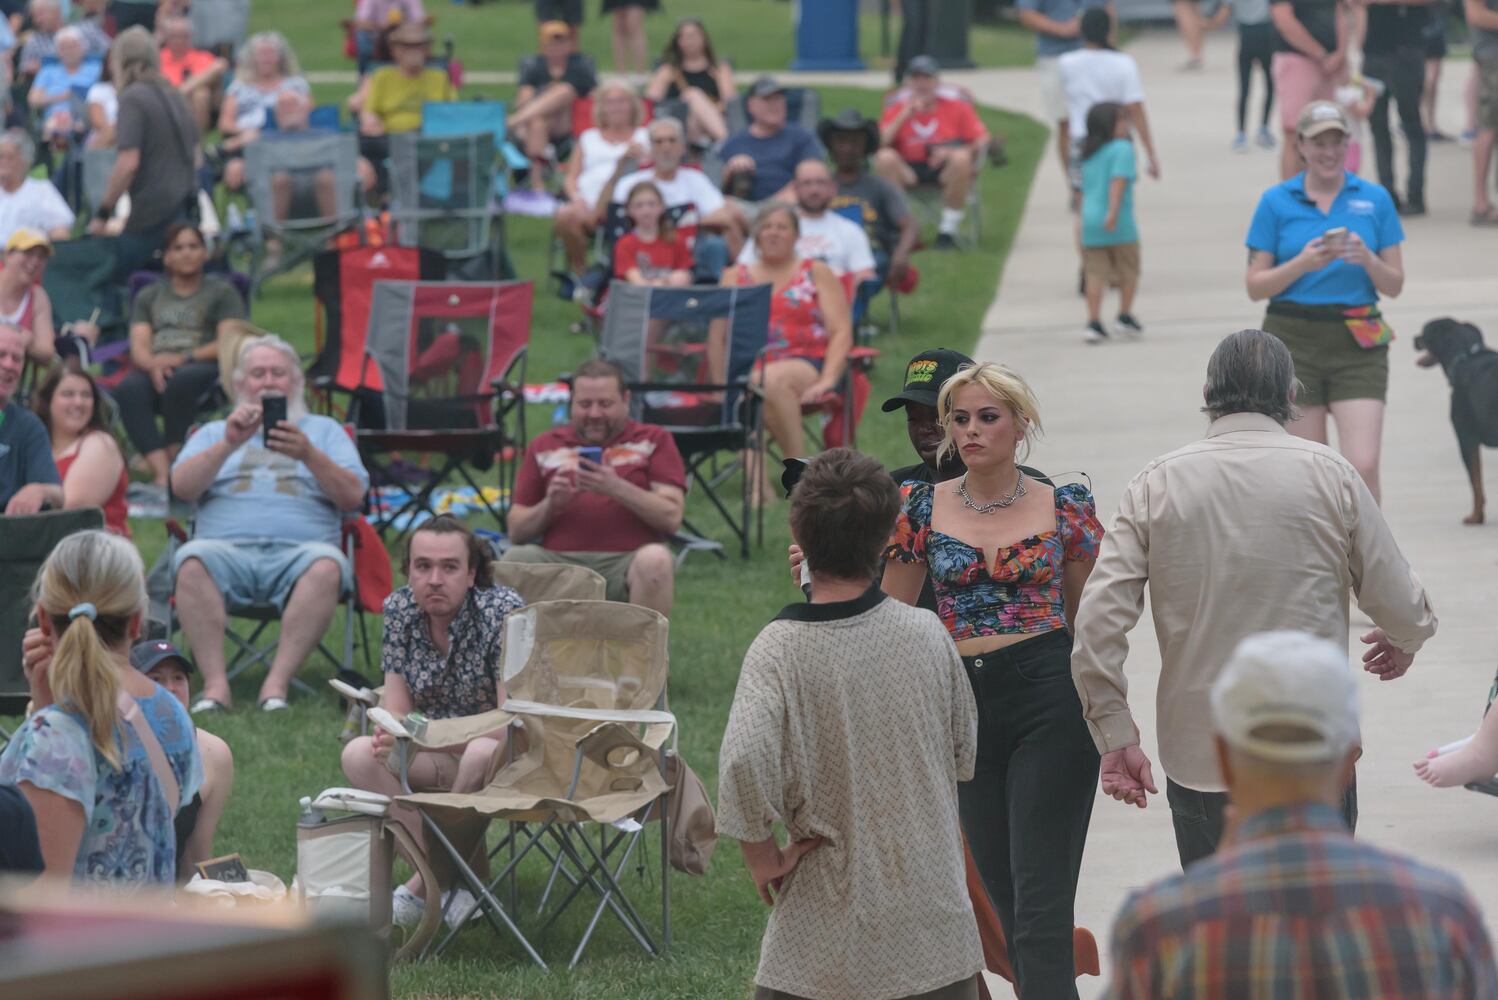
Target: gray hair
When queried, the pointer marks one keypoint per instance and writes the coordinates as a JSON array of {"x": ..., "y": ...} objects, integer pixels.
[
  {"x": 21, "y": 141},
  {"x": 666, "y": 121},
  {"x": 769, "y": 210},
  {"x": 244, "y": 64},
  {"x": 36, "y": 5},
  {"x": 71, "y": 33},
  {"x": 1251, "y": 372},
  {"x": 296, "y": 403},
  {"x": 135, "y": 58}
]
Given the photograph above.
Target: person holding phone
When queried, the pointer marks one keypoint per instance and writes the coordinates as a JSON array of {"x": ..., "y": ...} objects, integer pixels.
[
  {"x": 271, "y": 499},
  {"x": 604, "y": 491},
  {"x": 1322, "y": 247}
]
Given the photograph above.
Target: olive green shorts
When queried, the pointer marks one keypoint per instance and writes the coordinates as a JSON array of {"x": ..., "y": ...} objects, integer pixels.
[
  {"x": 1329, "y": 363},
  {"x": 612, "y": 566}
]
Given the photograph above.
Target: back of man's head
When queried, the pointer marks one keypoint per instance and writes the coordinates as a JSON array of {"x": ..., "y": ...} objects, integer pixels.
[
  {"x": 842, "y": 513},
  {"x": 1286, "y": 704},
  {"x": 1250, "y": 372},
  {"x": 1096, "y": 27}
]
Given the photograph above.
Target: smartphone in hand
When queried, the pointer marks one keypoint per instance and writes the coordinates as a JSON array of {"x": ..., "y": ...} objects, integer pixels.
[
  {"x": 272, "y": 412},
  {"x": 593, "y": 454},
  {"x": 1335, "y": 236}
]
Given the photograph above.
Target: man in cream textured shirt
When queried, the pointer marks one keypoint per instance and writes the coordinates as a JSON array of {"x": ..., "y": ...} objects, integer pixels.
[{"x": 1246, "y": 531}]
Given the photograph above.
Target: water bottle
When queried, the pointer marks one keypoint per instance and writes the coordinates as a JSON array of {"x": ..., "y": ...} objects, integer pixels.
[{"x": 310, "y": 817}]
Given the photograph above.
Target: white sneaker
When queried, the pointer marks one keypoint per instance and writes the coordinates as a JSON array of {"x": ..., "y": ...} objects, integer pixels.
[
  {"x": 406, "y": 907},
  {"x": 1094, "y": 333},
  {"x": 461, "y": 908}
]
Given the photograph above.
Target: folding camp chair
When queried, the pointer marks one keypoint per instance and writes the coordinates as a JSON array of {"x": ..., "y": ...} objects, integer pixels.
[
  {"x": 294, "y": 158},
  {"x": 442, "y": 198},
  {"x": 705, "y": 419},
  {"x": 454, "y": 118},
  {"x": 26, "y": 540},
  {"x": 220, "y": 26},
  {"x": 451, "y": 364},
  {"x": 586, "y": 682},
  {"x": 81, "y": 282},
  {"x": 926, "y": 199}
]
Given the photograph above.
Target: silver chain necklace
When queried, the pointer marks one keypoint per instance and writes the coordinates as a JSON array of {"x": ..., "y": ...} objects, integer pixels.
[{"x": 989, "y": 508}]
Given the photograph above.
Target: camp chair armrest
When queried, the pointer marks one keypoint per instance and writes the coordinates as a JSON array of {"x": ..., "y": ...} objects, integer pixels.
[
  {"x": 644, "y": 716},
  {"x": 358, "y": 696},
  {"x": 459, "y": 731}
]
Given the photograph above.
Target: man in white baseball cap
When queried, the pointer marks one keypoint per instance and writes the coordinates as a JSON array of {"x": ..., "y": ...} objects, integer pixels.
[{"x": 1276, "y": 911}]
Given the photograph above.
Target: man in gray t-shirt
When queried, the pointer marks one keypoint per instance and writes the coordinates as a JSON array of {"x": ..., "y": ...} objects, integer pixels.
[
  {"x": 270, "y": 506},
  {"x": 1057, "y": 25},
  {"x": 1482, "y": 20}
]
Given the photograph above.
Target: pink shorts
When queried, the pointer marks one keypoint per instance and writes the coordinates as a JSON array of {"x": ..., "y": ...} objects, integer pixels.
[{"x": 1298, "y": 80}]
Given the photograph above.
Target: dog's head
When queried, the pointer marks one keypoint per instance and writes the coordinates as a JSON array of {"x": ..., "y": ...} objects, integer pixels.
[{"x": 1444, "y": 340}]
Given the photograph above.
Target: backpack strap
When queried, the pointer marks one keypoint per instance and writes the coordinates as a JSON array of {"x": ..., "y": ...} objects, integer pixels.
[{"x": 130, "y": 712}]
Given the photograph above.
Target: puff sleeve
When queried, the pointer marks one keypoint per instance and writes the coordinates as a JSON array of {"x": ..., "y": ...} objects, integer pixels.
[
  {"x": 908, "y": 542},
  {"x": 1076, "y": 514}
]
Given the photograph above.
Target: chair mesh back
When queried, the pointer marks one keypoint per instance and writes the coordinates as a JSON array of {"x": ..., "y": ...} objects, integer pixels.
[
  {"x": 25, "y": 543},
  {"x": 302, "y": 158},
  {"x": 641, "y": 323},
  {"x": 537, "y": 582},
  {"x": 594, "y": 654},
  {"x": 343, "y": 281},
  {"x": 441, "y": 189},
  {"x": 219, "y": 23},
  {"x": 439, "y": 345},
  {"x": 80, "y": 278}
]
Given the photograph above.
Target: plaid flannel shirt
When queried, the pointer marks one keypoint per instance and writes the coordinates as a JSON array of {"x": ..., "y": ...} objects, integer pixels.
[{"x": 1293, "y": 907}]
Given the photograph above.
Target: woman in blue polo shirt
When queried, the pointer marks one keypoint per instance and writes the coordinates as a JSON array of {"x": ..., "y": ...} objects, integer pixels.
[{"x": 1323, "y": 246}]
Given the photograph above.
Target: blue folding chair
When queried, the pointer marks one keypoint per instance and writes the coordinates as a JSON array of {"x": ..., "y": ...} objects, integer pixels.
[{"x": 452, "y": 118}]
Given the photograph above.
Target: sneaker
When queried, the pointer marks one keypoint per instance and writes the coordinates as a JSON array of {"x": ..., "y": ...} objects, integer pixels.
[
  {"x": 1468, "y": 137},
  {"x": 1414, "y": 205},
  {"x": 406, "y": 907},
  {"x": 1127, "y": 325},
  {"x": 1240, "y": 142},
  {"x": 1265, "y": 138},
  {"x": 946, "y": 241},
  {"x": 1095, "y": 334},
  {"x": 459, "y": 907},
  {"x": 1436, "y": 135}
]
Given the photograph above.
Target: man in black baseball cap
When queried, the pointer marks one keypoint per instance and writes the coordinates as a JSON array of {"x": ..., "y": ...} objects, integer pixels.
[{"x": 924, "y": 377}]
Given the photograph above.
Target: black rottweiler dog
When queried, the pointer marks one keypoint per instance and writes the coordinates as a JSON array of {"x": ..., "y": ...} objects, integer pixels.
[{"x": 1472, "y": 370}]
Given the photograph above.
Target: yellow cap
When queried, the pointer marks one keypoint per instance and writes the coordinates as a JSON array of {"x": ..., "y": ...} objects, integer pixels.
[{"x": 24, "y": 239}]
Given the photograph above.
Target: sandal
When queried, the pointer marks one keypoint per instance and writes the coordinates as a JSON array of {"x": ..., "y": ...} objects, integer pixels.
[
  {"x": 1485, "y": 219},
  {"x": 208, "y": 706}
]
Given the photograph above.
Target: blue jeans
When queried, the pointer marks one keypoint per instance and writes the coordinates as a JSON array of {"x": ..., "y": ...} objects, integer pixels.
[
  {"x": 1027, "y": 809},
  {"x": 709, "y": 258}
]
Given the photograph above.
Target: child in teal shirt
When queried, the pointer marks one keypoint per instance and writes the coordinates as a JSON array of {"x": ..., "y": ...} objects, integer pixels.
[{"x": 1110, "y": 236}]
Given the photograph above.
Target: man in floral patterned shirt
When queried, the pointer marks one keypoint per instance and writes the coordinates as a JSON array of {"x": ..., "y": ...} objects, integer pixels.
[{"x": 441, "y": 656}]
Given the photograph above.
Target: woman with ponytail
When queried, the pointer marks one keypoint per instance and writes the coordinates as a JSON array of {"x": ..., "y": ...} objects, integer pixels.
[{"x": 109, "y": 756}]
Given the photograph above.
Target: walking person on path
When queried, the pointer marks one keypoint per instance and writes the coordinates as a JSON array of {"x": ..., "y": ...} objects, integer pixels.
[
  {"x": 1308, "y": 62},
  {"x": 1248, "y": 530},
  {"x": 1482, "y": 22},
  {"x": 1008, "y": 556},
  {"x": 1057, "y": 25},
  {"x": 1110, "y": 236},
  {"x": 1323, "y": 246},
  {"x": 1394, "y": 53},
  {"x": 1256, "y": 41}
]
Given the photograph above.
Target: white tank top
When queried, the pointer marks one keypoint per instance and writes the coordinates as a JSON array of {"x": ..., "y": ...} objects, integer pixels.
[
  {"x": 17, "y": 314},
  {"x": 600, "y": 157}
]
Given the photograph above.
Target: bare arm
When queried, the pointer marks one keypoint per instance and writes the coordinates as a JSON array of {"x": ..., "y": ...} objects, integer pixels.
[
  {"x": 342, "y": 486},
  {"x": 100, "y": 124},
  {"x": 573, "y": 172},
  {"x": 1073, "y": 579},
  {"x": 1116, "y": 188},
  {"x": 218, "y": 782},
  {"x": 839, "y": 324},
  {"x": 1386, "y": 268},
  {"x": 59, "y": 827},
  {"x": 728, "y": 88},
  {"x": 1267, "y": 279},
  {"x": 43, "y": 346},
  {"x": 93, "y": 478},
  {"x": 528, "y": 524},
  {"x": 1295, "y": 34},
  {"x": 191, "y": 478},
  {"x": 1479, "y": 16},
  {"x": 141, "y": 354},
  {"x": 661, "y": 506},
  {"x": 888, "y": 132},
  {"x": 1147, "y": 140},
  {"x": 1037, "y": 22},
  {"x": 356, "y": 102},
  {"x": 228, "y": 113},
  {"x": 903, "y": 581},
  {"x": 660, "y": 82}
]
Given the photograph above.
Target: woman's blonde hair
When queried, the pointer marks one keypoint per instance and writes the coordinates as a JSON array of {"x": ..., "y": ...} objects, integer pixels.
[
  {"x": 244, "y": 63},
  {"x": 636, "y": 108},
  {"x": 1005, "y": 385},
  {"x": 90, "y": 587}
]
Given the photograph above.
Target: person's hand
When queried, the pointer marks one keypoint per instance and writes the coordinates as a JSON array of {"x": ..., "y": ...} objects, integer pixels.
[
  {"x": 938, "y": 155},
  {"x": 1153, "y": 168},
  {"x": 1332, "y": 62},
  {"x": 97, "y": 227},
  {"x": 634, "y": 151},
  {"x": 797, "y": 559},
  {"x": 286, "y": 438},
  {"x": 1355, "y": 251},
  {"x": 88, "y": 331},
  {"x": 768, "y": 878},
  {"x": 596, "y": 477},
  {"x": 1383, "y": 659},
  {"x": 899, "y": 266},
  {"x": 1315, "y": 255},
  {"x": 243, "y": 423},
  {"x": 381, "y": 744},
  {"x": 1126, "y": 776},
  {"x": 1110, "y": 222},
  {"x": 159, "y": 375},
  {"x": 1071, "y": 28},
  {"x": 36, "y": 657},
  {"x": 741, "y": 163},
  {"x": 28, "y": 499},
  {"x": 816, "y": 393},
  {"x": 560, "y": 489}
]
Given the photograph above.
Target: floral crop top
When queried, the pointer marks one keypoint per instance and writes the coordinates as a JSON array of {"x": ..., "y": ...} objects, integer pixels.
[{"x": 1022, "y": 593}]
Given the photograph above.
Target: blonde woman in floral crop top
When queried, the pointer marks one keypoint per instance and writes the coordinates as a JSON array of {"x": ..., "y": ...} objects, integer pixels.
[{"x": 1008, "y": 557}]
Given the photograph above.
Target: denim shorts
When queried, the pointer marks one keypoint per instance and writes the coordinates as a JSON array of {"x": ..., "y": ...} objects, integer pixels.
[{"x": 259, "y": 572}]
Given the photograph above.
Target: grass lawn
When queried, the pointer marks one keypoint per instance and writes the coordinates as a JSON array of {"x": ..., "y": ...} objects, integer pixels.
[
  {"x": 720, "y": 607},
  {"x": 752, "y": 34}
]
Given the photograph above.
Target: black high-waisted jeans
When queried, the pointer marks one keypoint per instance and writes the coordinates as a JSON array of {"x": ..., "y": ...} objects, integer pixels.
[{"x": 1026, "y": 810}]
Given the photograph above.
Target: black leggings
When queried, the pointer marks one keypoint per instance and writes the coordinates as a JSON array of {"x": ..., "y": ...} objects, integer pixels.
[
  {"x": 139, "y": 403},
  {"x": 1255, "y": 45}
]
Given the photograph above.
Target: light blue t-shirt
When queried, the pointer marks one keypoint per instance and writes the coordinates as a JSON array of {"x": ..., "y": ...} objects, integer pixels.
[
  {"x": 54, "y": 78},
  {"x": 1056, "y": 10},
  {"x": 262, "y": 495},
  {"x": 128, "y": 838},
  {"x": 1286, "y": 220},
  {"x": 1116, "y": 159}
]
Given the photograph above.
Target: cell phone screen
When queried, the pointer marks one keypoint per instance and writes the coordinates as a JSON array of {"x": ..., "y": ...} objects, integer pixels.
[
  {"x": 594, "y": 455},
  {"x": 272, "y": 412}
]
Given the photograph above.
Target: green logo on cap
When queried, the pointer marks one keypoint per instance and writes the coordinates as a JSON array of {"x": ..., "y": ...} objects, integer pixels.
[{"x": 920, "y": 371}]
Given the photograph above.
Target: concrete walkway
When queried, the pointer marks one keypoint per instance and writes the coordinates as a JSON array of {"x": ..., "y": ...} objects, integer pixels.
[{"x": 1108, "y": 410}]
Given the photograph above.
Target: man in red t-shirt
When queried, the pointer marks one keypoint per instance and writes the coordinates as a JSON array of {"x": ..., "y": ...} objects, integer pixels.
[
  {"x": 931, "y": 135},
  {"x": 604, "y": 492},
  {"x": 194, "y": 72}
]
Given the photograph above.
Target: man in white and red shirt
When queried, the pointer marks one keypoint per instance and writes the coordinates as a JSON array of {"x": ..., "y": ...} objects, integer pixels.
[
  {"x": 693, "y": 202},
  {"x": 605, "y": 492},
  {"x": 931, "y": 135},
  {"x": 824, "y": 235}
]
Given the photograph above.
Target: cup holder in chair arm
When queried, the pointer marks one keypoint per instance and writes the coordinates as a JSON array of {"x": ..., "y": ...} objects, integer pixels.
[
  {"x": 354, "y": 800},
  {"x": 642, "y": 715}
]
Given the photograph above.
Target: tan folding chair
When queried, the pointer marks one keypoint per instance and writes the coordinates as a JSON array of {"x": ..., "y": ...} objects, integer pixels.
[{"x": 586, "y": 683}]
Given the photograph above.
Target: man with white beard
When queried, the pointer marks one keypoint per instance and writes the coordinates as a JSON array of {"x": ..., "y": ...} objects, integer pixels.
[{"x": 269, "y": 509}]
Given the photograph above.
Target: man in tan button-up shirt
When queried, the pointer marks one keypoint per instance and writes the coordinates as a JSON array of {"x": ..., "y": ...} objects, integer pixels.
[{"x": 1248, "y": 530}]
